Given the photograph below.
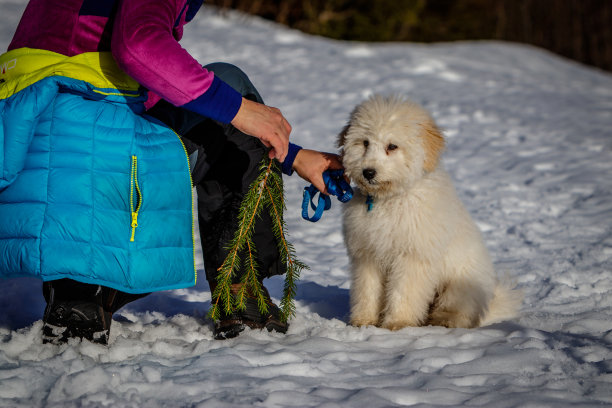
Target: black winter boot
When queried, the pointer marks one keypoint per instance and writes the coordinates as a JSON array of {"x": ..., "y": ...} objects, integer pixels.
[
  {"x": 80, "y": 310},
  {"x": 68, "y": 319},
  {"x": 231, "y": 325}
]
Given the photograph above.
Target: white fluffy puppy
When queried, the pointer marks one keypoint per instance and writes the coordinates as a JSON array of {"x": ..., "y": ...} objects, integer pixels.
[{"x": 416, "y": 256}]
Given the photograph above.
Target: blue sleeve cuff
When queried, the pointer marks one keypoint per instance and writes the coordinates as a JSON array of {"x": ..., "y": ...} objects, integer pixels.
[
  {"x": 220, "y": 102},
  {"x": 287, "y": 166}
]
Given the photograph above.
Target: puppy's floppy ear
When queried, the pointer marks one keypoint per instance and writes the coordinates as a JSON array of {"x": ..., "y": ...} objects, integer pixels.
[
  {"x": 344, "y": 132},
  {"x": 342, "y": 136},
  {"x": 433, "y": 142}
]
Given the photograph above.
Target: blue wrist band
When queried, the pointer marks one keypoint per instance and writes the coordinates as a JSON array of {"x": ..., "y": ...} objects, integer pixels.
[{"x": 287, "y": 166}]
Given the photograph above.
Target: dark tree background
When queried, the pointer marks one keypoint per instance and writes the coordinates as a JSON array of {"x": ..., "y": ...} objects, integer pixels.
[{"x": 577, "y": 29}]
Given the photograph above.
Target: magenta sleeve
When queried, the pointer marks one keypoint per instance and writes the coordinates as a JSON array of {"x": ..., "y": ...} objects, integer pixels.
[{"x": 144, "y": 46}]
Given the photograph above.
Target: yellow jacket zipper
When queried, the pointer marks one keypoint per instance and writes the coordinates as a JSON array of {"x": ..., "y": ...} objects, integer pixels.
[
  {"x": 135, "y": 196},
  {"x": 195, "y": 269}
]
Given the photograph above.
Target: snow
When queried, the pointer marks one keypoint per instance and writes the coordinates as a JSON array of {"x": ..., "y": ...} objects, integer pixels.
[{"x": 530, "y": 149}]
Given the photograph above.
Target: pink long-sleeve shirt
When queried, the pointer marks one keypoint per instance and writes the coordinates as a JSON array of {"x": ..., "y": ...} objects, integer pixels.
[{"x": 143, "y": 36}]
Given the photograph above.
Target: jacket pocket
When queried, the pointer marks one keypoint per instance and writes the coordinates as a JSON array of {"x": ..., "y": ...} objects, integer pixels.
[{"x": 135, "y": 196}]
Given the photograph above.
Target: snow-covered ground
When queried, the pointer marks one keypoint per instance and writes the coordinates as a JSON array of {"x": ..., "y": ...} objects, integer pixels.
[{"x": 530, "y": 149}]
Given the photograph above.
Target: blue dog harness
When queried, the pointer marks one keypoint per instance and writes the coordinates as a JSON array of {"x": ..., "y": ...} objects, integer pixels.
[{"x": 336, "y": 185}]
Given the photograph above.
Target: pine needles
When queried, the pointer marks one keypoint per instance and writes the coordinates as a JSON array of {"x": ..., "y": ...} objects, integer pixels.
[{"x": 265, "y": 192}]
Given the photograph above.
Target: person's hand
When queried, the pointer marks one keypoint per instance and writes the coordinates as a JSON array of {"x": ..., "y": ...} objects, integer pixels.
[
  {"x": 265, "y": 123},
  {"x": 310, "y": 165}
]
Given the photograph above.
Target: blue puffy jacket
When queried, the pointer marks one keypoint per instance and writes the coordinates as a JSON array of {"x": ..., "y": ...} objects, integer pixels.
[{"x": 90, "y": 189}]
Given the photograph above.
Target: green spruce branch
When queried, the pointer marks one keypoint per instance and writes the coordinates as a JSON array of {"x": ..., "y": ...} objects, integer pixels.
[{"x": 265, "y": 192}]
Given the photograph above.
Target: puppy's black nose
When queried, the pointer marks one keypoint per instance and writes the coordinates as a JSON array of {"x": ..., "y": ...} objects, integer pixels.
[{"x": 369, "y": 174}]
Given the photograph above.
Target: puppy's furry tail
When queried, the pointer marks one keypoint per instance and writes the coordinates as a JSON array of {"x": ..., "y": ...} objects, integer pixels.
[{"x": 505, "y": 305}]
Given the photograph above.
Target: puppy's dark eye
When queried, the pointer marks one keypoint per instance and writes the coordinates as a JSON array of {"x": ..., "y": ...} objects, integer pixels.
[
  {"x": 391, "y": 147},
  {"x": 366, "y": 143}
]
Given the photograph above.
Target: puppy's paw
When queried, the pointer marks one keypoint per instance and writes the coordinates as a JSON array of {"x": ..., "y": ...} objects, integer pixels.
[
  {"x": 363, "y": 322},
  {"x": 398, "y": 324},
  {"x": 452, "y": 319}
]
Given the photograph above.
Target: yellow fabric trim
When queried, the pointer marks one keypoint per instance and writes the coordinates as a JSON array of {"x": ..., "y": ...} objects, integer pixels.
[
  {"x": 114, "y": 93},
  {"x": 23, "y": 67}
]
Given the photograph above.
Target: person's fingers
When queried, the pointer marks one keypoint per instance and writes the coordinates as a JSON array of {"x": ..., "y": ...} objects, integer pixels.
[
  {"x": 287, "y": 126},
  {"x": 310, "y": 165},
  {"x": 281, "y": 137},
  {"x": 321, "y": 187},
  {"x": 335, "y": 161},
  {"x": 278, "y": 147},
  {"x": 267, "y": 124}
]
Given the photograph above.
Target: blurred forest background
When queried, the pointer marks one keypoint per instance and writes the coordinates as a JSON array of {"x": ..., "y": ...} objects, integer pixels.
[{"x": 577, "y": 29}]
